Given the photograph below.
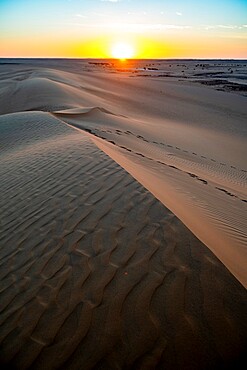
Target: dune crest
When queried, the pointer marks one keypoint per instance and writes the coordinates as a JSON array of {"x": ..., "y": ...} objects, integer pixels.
[
  {"x": 209, "y": 180},
  {"x": 200, "y": 185},
  {"x": 95, "y": 270}
]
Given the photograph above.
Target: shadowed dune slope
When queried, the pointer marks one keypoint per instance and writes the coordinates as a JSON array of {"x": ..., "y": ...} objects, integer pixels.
[
  {"x": 207, "y": 192},
  {"x": 191, "y": 139},
  {"x": 95, "y": 272}
]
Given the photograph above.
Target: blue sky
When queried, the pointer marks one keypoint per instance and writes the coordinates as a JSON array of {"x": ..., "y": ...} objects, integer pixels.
[
  {"x": 190, "y": 12},
  {"x": 218, "y": 18}
]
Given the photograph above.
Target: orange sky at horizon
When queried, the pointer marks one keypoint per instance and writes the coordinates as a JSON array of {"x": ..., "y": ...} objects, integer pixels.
[
  {"x": 153, "y": 29},
  {"x": 144, "y": 47}
]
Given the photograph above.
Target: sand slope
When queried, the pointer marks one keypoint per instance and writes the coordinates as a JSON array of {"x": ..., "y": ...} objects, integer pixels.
[
  {"x": 198, "y": 171},
  {"x": 95, "y": 271}
]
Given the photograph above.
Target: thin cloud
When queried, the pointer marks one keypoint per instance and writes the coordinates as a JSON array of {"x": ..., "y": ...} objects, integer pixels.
[
  {"x": 222, "y": 26},
  {"x": 80, "y": 16},
  {"x": 179, "y": 13},
  {"x": 141, "y": 27},
  {"x": 231, "y": 27}
]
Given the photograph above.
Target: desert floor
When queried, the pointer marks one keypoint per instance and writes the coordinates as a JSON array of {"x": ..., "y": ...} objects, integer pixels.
[{"x": 123, "y": 202}]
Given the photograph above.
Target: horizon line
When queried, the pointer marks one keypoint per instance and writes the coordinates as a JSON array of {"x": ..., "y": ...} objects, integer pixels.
[{"x": 116, "y": 59}]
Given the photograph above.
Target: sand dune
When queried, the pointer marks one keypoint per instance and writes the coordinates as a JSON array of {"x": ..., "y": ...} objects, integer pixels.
[
  {"x": 95, "y": 271},
  {"x": 207, "y": 183}
]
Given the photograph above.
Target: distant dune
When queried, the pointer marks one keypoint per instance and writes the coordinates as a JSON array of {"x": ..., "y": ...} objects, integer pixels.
[{"x": 123, "y": 214}]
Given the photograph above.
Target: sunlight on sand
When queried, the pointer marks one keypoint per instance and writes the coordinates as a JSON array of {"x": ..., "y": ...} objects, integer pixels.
[{"x": 123, "y": 214}]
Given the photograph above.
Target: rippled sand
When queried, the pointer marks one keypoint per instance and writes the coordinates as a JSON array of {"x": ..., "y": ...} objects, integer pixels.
[{"x": 95, "y": 271}]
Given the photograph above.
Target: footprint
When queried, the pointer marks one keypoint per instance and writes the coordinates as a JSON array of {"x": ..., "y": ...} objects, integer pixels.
[
  {"x": 174, "y": 167},
  {"x": 198, "y": 178},
  {"x": 227, "y": 192},
  {"x": 203, "y": 181},
  {"x": 140, "y": 154}
]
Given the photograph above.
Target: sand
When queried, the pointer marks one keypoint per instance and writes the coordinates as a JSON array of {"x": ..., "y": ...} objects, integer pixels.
[{"x": 123, "y": 215}]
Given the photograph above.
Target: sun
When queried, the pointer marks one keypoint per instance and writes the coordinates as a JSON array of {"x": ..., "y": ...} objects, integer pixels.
[{"x": 122, "y": 50}]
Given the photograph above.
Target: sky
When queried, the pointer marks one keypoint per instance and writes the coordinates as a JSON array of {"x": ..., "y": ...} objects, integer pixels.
[{"x": 153, "y": 28}]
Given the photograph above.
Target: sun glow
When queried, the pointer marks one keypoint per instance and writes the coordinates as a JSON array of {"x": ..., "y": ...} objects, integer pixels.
[{"x": 122, "y": 50}]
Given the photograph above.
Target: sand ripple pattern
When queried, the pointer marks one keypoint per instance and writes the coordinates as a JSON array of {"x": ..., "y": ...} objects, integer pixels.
[{"x": 95, "y": 272}]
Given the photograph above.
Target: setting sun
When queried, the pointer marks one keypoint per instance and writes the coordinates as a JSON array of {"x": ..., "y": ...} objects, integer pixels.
[{"x": 122, "y": 50}]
